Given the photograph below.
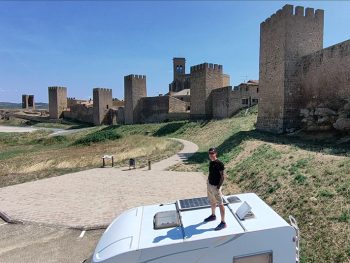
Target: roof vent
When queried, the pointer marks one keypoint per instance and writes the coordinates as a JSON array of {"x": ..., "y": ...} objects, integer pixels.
[
  {"x": 244, "y": 211},
  {"x": 233, "y": 199},
  {"x": 166, "y": 219}
]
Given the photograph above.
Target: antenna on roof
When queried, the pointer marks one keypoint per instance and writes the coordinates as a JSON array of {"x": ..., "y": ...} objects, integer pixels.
[{"x": 245, "y": 78}]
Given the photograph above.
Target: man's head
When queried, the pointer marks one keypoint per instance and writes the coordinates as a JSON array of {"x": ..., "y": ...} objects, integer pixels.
[{"x": 212, "y": 153}]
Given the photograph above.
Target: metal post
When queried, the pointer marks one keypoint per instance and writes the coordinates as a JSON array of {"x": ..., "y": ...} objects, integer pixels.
[
  {"x": 103, "y": 162},
  {"x": 149, "y": 165},
  {"x": 112, "y": 161}
]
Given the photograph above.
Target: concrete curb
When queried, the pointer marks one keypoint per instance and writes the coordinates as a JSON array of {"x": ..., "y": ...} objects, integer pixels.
[{"x": 8, "y": 219}]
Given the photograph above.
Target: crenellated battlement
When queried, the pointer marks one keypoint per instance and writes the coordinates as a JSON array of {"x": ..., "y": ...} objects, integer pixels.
[
  {"x": 134, "y": 76},
  {"x": 102, "y": 90},
  {"x": 57, "y": 88},
  {"x": 206, "y": 66},
  {"x": 290, "y": 11}
]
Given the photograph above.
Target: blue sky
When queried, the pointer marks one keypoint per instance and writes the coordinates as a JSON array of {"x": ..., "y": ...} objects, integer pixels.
[{"x": 83, "y": 45}]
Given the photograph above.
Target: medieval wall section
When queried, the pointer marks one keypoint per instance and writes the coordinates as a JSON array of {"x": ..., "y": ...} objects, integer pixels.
[
  {"x": 221, "y": 102},
  {"x": 134, "y": 90},
  {"x": 57, "y": 101},
  {"x": 325, "y": 76},
  {"x": 204, "y": 79},
  {"x": 284, "y": 38},
  {"x": 102, "y": 104},
  {"x": 80, "y": 112},
  {"x": 154, "y": 109}
]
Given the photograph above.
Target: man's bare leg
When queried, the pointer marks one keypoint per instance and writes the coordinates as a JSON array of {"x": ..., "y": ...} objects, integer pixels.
[
  {"x": 213, "y": 208},
  {"x": 222, "y": 212}
]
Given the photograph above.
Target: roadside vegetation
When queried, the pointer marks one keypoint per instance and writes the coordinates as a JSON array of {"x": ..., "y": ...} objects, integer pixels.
[
  {"x": 30, "y": 156},
  {"x": 304, "y": 175}
]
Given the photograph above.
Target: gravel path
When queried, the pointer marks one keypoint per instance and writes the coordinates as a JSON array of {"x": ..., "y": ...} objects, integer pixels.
[{"x": 93, "y": 198}]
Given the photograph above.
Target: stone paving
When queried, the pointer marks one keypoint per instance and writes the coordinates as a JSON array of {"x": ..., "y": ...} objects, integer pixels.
[{"x": 93, "y": 198}]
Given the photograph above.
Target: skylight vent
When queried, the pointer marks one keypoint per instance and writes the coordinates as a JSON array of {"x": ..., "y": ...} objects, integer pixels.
[{"x": 166, "y": 219}]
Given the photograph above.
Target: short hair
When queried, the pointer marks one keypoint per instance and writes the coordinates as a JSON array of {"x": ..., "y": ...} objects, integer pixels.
[{"x": 213, "y": 149}]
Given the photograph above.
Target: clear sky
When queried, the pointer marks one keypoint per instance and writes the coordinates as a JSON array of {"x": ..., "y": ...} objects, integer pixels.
[{"x": 86, "y": 44}]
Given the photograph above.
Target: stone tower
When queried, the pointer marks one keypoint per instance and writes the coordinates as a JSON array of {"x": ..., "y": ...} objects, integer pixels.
[
  {"x": 28, "y": 102},
  {"x": 180, "y": 80},
  {"x": 284, "y": 38},
  {"x": 134, "y": 90},
  {"x": 102, "y": 99},
  {"x": 179, "y": 68},
  {"x": 57, "y": 101},
  {"x": 204, "y": 78}
]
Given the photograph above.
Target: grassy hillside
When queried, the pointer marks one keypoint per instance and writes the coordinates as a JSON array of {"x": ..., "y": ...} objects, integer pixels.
[
  {"x": 31, "y": 156},
  {"x": 304, "y": 175}
]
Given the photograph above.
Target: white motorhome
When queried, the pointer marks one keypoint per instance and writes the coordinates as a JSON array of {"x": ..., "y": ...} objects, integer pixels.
[{"x": 175, "y": 232}]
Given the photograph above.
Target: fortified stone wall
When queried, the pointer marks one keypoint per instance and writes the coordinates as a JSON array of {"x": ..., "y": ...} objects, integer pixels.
[
  {"x": 158, "y": 109},
  {"x": 134, "y": 90},
  {"x": 284, "y": 38},
  {"x": 102, "y": 104},
  {"x": 57, "y": 101},
  {"x": 204, "y": 79},
  {"x": 154, "y": 109},
  {"x": 74, "y": 101},
  {"x": 120, "y": 116},
  {"x": 80, "y": 112},
  {"x": 228, "y": 101},
  {"x": 177, "y": 105},
  {"x": 221, "y": 102},
  {"x": 325, "y": 77},
  {"x": 118, "y": 103}
]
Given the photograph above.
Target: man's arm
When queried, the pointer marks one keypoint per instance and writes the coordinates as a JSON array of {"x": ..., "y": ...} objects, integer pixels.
[{"x": 222, "y": 178}]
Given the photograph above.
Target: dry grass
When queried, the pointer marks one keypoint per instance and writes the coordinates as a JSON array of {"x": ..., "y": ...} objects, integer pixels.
[{"x": 32, "y": 156}]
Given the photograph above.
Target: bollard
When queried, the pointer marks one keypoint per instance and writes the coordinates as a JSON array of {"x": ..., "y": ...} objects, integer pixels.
[{"x": 149, "y": 165}]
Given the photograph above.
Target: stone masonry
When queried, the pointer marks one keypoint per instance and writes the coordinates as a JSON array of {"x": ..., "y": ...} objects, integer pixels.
[
  {"x": 204, "y": 79},
  {"x": 134, "y": 90},
  {"x": 28, "y": 102},
  {"x": 227, "y": 101},
  {"x": 299, "y": 79},
  {"x": 102, "y": 104},
  {"x": 57, "y": 101},
  {"x": 181, "y": 79},
  {"x": 285, "y": 37}
]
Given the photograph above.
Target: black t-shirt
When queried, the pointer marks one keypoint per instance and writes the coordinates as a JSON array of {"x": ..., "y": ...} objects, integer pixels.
[{"x": 214, "y": 171}]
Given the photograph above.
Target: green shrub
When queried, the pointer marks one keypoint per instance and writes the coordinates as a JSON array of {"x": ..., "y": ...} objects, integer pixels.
[{"x": 98, "y": 136}]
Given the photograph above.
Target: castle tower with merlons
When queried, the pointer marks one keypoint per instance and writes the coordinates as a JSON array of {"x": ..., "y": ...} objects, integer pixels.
[
  {"x": 102, "y": 99},
  {"x": 285, "y": 37},
  {"x": 204, "y": 79},
  {"x": 57, "y": 101},
  {"x": 134, "y": 90}
]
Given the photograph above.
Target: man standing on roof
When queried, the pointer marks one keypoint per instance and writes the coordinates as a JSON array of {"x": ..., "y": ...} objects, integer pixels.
[{"x": 214, "y": 183}]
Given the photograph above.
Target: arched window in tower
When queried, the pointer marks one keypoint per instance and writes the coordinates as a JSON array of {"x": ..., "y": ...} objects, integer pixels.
[{"x": 180, "y": 69}]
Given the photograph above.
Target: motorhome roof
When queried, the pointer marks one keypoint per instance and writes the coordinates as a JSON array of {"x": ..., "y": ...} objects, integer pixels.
[
  {"x": 193, "y": 227},
  {"x": 135, "y": 230}
]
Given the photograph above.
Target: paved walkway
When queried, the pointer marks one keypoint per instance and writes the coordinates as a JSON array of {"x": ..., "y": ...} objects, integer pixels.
[
  {"x": 188, "y": 150},
  {"x": 93, "y": 198},
  {"x": 16, "y": 129}
]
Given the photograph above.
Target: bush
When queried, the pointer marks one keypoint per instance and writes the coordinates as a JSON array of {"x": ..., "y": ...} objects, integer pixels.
[{"x": 99, "y": 136}]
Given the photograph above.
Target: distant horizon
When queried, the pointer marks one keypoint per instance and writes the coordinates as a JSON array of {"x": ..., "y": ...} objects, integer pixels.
[{"x": 95, "y": 44}]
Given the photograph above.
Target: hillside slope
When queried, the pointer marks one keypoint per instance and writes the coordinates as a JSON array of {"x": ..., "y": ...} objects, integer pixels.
[{"x": 304, "y": 175}]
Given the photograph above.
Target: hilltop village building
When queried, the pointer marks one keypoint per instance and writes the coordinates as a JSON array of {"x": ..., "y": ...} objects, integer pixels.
[
  {"x": 191, "y": 96},
  {"x": 302, "y": 84}
]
